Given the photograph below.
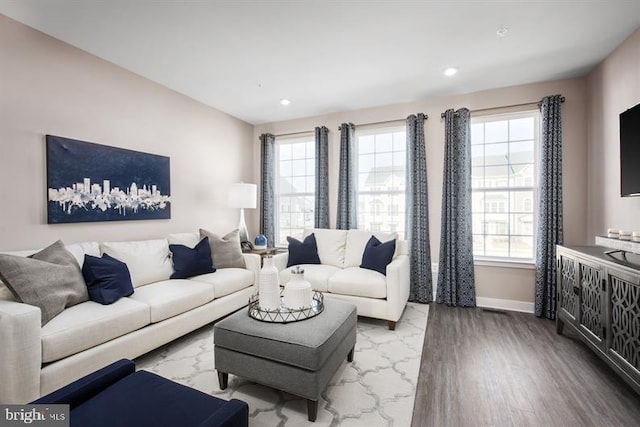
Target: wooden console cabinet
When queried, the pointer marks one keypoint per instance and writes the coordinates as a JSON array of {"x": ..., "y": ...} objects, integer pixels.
[{"x": 599, "y": 298}]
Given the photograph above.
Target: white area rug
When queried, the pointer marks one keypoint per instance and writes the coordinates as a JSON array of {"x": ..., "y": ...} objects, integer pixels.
[{"x": 377, "y": 389}]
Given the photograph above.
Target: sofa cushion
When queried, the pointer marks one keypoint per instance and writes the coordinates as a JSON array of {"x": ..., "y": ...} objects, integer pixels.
[
  {"x": 357, "y": 241},
  {"x": 316, "y": 274},
  {"x": 358, "y": 282},
  {"x": 148, "y": 260},
  {"x": 50, "y": 279},
  {"x": 107, "y": 279},
  {"x": 89, "y": 324},
  {"x": 305, "y": 252},
  {"x": 188, "y": 239},
  {"x": 188, "y": 262},
  {"x": 227, "y": 280},
  {"x": 377, "y": 255},
  {"x": 79, "y": 250},
  {"x": 225, "y": 251},
  {"x": 169, "y": 298},
  {"x": 331, "y": 245}
]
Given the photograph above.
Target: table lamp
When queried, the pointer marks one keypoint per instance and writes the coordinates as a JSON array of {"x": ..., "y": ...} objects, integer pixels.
[{"x": 243, "y": 196}]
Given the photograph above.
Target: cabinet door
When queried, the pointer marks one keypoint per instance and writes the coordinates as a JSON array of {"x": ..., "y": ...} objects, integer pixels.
[
  {"x": 568, "y": 288},
  {"x": 592, "y": 297},
  {"x": 625, "y": 320}
]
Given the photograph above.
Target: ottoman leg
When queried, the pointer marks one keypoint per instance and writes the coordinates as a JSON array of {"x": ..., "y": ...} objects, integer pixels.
[
  {"x": 350, "y": 355},
  {"x": 312, "y": 409},
  {"x": 223, "y": 380}
]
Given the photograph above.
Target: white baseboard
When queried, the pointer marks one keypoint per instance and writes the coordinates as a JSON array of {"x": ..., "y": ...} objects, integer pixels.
[
  {"x": 497, "y": 303},
  {"x": 505, "y": 304}
]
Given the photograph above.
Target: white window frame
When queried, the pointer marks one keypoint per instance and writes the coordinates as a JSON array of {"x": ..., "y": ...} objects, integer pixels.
[
  {"x": 528, "y": 263},
  {"x": 278, "y": 194},
  {"x": 401, "y": 214}
]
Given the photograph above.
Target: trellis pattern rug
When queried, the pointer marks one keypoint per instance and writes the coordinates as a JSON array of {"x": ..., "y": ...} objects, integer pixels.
[{"x": 377, "y": 389}]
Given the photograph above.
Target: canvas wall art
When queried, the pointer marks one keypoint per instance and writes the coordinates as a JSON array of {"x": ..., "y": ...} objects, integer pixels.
[{"x": 91, "y": 182}]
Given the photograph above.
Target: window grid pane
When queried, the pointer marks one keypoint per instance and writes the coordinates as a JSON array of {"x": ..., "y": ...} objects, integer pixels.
[
  {"x": 381, "y": 180},
  {"x": 295, "y": 188},
  {"x": 503, "y": 185}
]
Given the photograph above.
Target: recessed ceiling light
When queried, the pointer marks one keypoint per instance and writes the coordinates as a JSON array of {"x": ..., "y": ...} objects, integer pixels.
[
  {"x": 502, "y": 31},
  {"x": 450, "y": 71},
  {"x": 285, "y": 101}
]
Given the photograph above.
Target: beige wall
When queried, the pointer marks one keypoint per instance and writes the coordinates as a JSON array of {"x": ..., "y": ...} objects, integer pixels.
[
  {"x": 49, "y": 87},
  {"x": 613, "y": 87},
  {"x": 491, "y": 282}
]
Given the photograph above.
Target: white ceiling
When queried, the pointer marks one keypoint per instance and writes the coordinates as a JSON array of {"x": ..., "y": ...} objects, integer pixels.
[{"x": 326, "y": 56}]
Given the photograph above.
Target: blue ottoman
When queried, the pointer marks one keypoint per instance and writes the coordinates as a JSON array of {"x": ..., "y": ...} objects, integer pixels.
[{"x": 117, "y": 395}]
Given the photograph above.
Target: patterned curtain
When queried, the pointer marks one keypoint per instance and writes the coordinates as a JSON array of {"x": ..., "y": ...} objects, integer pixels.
[
  {"x": 456, "y": 285},
  {"x": 322, "y": 178},
  {"x": 347, "y": 203},
  {"x": 267, "y": 197},
  {"x": 550, "y": 206},
  {"x": 417, "y": 216}
]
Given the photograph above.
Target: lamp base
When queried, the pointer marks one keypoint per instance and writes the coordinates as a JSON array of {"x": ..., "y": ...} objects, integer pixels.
[{"x": 245, "y": 244}]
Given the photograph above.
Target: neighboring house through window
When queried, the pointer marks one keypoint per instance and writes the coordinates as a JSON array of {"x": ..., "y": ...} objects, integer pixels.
[
  {"x": 295, "y": 187},
  {"x": 504, "y": 154},
  {"x": 381, "y": 161}
]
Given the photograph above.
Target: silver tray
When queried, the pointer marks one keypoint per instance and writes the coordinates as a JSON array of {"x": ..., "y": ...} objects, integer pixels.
[{"x": 285, "y": 314}]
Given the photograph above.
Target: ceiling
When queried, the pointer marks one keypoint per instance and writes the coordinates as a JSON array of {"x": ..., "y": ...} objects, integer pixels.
[{"x": 244, "y": 56}]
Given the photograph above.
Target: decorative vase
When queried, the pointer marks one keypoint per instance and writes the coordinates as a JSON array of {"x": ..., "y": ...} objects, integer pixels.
[
  {"x": 269, "y": 288},
  {"x": 260, "y": 242},
  {"x": 297, "y": 291}
]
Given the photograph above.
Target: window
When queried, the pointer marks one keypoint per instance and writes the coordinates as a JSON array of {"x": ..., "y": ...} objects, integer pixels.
[
  {"x": 381, "y": 163},
  {"x": 503, "y": 180},
  {"x": 295, "y": 187}
]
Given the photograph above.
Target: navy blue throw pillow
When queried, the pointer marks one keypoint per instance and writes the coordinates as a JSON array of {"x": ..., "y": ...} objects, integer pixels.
[
  {"x": 305, "y": 252},
  {"x": 107, "y": 279},
  {"x": 189, "y": 262},
  {"x": 378, "y": 255}
]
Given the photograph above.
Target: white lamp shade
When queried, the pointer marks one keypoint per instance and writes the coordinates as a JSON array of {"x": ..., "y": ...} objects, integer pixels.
[{"x": 243, "y": 195}]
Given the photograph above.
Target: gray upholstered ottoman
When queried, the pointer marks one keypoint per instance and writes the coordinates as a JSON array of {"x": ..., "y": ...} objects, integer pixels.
[{"x": 299, "y": 357}]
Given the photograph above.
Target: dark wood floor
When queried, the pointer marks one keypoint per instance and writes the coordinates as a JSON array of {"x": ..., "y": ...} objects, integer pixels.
[{"x": 481, "y": 368}]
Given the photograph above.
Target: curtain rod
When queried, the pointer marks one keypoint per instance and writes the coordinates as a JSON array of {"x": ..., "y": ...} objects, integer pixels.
[
  {"x": 294, "y": 133},
  {"x": 383, "y": 122},
  {"x": 504, "y": 106}
]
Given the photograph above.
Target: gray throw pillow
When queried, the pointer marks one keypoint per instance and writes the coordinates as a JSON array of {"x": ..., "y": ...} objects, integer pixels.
[
  {"x": 225, "y": 251},
  {"x": 50, "y": 279}
]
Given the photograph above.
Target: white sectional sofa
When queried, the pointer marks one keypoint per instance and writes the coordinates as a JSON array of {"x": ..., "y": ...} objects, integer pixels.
[
  {"x": 339, "y": 275},
  {"x": 35, "y": 359}
]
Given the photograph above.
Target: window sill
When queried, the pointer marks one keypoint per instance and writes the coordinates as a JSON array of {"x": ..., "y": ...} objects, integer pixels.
[{"x": 528, "y": 265}]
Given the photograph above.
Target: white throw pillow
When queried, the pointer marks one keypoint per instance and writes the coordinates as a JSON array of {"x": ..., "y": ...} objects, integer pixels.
[
  {"x": 357, "y": 240},
  {"x": 148, "y": 261},
  {"x": 331, "y": 245}
]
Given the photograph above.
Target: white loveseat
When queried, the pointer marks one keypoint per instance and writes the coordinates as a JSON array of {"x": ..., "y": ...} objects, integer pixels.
[
  {"x": 35, "y": 359},
  {"x": 339, "y": 275}
]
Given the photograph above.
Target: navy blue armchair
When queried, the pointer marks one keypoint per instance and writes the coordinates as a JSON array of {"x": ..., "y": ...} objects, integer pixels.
[{"x": 118, "y": 396}]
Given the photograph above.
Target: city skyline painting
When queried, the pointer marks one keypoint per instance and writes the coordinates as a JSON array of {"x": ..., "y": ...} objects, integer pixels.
[{"x": 89, "y": 182}]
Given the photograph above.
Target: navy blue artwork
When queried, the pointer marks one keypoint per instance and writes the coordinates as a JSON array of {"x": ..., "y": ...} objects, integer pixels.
[{"x": 89, "y": 182}]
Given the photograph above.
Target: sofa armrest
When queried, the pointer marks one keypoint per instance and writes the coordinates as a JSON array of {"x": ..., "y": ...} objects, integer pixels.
[
  {"x": 253, "y": 263},
  {"x": 89, "y": 386},
  {"x": 280, "y": 260},
  {"x": 234, "y": 413},
  {"x": 20, "y": 352},
  {"x": 397, "y": 286}
]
